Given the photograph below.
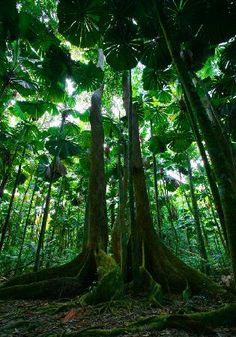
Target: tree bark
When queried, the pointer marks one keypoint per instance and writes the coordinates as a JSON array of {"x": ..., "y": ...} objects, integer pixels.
[
  {"x": 200, "y": 240},
  {"x": 8, "y": 216},
  {"x": 218, "y": 146},
  {"x": 97, "y": 231}
]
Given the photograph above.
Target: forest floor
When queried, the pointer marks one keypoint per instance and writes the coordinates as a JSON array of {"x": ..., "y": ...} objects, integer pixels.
[{"x": 56, "y": 318}]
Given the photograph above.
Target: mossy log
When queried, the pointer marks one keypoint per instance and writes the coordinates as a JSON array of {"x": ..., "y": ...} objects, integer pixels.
[{"x": 203, "y": 322}]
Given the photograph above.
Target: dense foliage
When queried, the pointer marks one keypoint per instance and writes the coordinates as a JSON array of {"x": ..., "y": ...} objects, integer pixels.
[{"x": 49, "y": 68}]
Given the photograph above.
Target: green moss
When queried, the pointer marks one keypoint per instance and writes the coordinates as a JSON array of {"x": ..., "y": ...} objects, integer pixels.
[
  {"x": 149, "y": 286},
  {"x": 110, "y": 287},
  {"x": 105, "y": 263}
]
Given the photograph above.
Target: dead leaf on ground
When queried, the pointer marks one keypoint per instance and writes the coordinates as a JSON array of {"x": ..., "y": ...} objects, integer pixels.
[{"x": 70, "y": 315}]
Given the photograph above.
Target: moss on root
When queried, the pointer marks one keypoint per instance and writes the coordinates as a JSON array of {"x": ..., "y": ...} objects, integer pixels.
[
  {"x": 110, "y": 285},
  {"x": 173, "y": 274}
]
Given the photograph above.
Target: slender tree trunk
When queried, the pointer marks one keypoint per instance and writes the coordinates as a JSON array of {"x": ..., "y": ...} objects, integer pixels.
[
  {"x": 8, "y": 216},
  {"x": 200, "y": 240},
  {"x": 120, "y": 230},
  {"x": 43, "y": 226},
  {"x": 207, "y": 166},
  {"x": 170, "y": 213},
  {"x": 27, "y": 221},
  {"x": 158, "y": 209},
  {"x": 14, "y": 238},
  {"x": 7, "y": 174},
  {"x": 52, "y": 234},
  {"x": 123, "y": 225}
]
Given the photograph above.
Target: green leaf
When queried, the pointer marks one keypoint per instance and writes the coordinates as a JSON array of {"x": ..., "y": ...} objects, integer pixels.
[
  {"x": 34, "y": 31},
  {"x": 79, "y": 21},
  {"x": 155, "y": 54},
  {"x": 8, "y": 20},
  {"x": 32, "y": 109},
  {"x": 84, "y": 117},
  {"x": 171, "y": 183},
  {"x": 22, "y": 178},
  {"x": 85, "y": 139},
  {"x": 23, "y": 86},
  {"x": 164, "y": 96},
  {"x": 122, "y": 45},
  {"x": 157, "y": 145},
  {"x": 154, "y": 79},
  {"x": 180, "y": 142},
  {"x": 64, "y": 148},
  {"x": 87, "y": 76},
  {"x": 56, "y": 65}
]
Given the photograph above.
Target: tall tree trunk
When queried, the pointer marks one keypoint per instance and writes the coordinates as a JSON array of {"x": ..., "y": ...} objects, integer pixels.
[
  {"x": 86, "y": 222},
  {"x": 27, "y": 221},
  {"x": 200, "y": 239},
  {"x": 97, "y": 231},
  {"x": 207, "y": 166},
  {"x": 7, "y": 174},
  {"x": 128, "y": 105},
  {"x": 123, "y": 224},
  {"x": 43, "y": 226},
  {"x": 158, "y": 209},
  {"x": 218, "y": 146},
  {"x": 120, "y": 230},
  {"x": 8, "y": 216}
]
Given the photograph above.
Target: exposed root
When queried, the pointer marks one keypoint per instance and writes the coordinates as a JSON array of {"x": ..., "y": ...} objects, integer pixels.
[
  {"x": 173, "y": 274},
  {"x": 150, "y": 287},
  {"x": 62, "y": 287},
  {"x": 69, "y": 269},
  {"x": 203, "y": 322}
]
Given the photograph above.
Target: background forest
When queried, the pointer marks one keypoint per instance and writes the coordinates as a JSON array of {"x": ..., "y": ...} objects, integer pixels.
[{"x": 117, "y": 147}]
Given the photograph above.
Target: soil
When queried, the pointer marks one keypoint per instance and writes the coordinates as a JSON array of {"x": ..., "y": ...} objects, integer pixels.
[{"x": 56, "y": 318}]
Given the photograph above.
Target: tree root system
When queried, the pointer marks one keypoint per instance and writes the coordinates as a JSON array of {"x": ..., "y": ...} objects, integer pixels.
[{"x": 202, "y": 322}]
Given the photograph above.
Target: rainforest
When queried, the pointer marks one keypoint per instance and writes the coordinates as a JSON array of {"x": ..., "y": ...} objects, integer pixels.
[{"x": 117, "y": 168}]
